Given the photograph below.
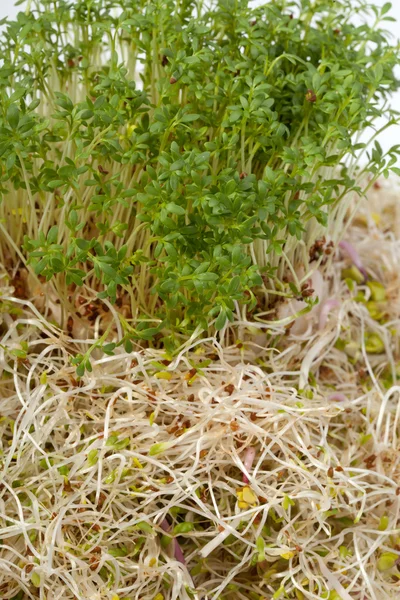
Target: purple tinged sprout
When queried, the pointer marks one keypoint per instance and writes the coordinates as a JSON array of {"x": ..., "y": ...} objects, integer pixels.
[
  {"x": 338, "y": 397},
  {"x": 326, "y": 308},
  {"x": 249, "y": 457},
  {"x": 353, "y": 254},
  {"x": 178, "y": 554},
  {"x": 165, "y": 525}
]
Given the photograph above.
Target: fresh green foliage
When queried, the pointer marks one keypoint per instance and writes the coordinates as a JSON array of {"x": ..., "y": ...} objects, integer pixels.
[{"x": 181, "y": 152}]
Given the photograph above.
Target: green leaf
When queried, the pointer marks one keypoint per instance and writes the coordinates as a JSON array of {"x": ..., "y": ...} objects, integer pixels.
[
  {"x": 114, "y": 442},
  {"x": 189, "y": 118},
  {"x": 184, "y": 527},
  {"x": 80, "y": 371},
  {"x": 109, "y": 348},
  {"x": 175, "y": 209},
  {"x": 128, "y": 346},
  {"x": 13, "y": 116},
  {"x": 55, "y": 183},
  {"x": 235, "y": 116},
  {"x": 178, "y": 164},
  {"x": 244, "y": 102},
  {"x": 260, "y": 549},
  {"x": 63, "y": 470},
  {"x": 118, "y": 552},
  {"x": 165, "y": 540},
  {"x": 17, "y": 95},
  {"x": 10, "y": 162},
  {"x": 52, "y": 235},
  {"x": 221, "y": 320},
  {"x": 107, "y": 269},
  {"x": 121, "y": 444},
  {"x": 378, "y": 72},
  {"x": 73, "y": 219},
  {"x": 64, "y": 101},
  {"x": 386, "y": 8},
  {"x": 41, "y": 265},
  {"x": 207, "y": 276},
  {"x": 234, "y": 285},
  {"x": 279, "y": 593},
  {"x": 145, "y": 527},
  {"x": 287, "y": 502},
  {"x": 159, "y": 448},
  {"x": 92, "y": 457}
]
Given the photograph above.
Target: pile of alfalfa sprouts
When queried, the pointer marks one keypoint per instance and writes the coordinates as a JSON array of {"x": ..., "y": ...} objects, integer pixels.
[
  {"x": 214, "y": 475},
  {"x": 259, "y": 460}
]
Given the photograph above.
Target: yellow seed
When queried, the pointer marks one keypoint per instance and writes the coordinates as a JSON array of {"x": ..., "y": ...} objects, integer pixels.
[
  {"x": 354, "y": 274},
  {"x": 387, "y": 561},
  {"x": 164, "y": 375},
  {"x": 375, "y": 310},
  {"x": 352, "y": 350},
  {"x": 376, "y": 218},
  {"x": 35, "y": 579},
  {"x": 374, "y": 344},
  {"x": 383, "y": 523},
  {"x": 378, "y": 291},
  {"x": 249, "y": 496},
  {"x": 246, "y": 497},
  {"x": 268, "y": 574}
]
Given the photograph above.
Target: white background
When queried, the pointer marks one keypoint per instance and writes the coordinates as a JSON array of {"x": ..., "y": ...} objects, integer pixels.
[{"x": 390, "y": 137}]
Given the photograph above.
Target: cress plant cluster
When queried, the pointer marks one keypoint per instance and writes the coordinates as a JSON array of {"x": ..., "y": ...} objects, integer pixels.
[{"x": 198, "y": 374}]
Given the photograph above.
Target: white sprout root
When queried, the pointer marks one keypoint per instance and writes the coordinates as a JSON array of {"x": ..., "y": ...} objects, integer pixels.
[{"x": 137, "y": 482}]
